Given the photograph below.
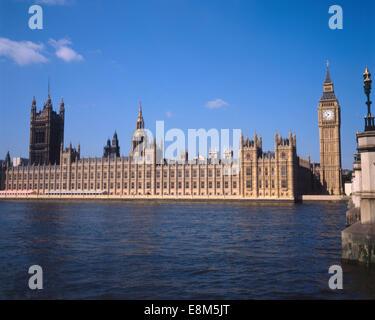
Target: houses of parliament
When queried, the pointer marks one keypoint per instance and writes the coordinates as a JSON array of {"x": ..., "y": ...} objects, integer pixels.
[{"x": 54, "y": 170}]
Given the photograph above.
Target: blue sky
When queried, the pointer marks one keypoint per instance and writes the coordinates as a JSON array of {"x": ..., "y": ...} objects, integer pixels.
[{"x": 263, "y": 62}]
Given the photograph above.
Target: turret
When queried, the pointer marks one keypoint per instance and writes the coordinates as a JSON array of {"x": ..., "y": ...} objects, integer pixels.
[
  {"x": 369, "y": 118},
  {"x": 115, "y": 140},
  {"x": 70, "y": 154},
  {"x": 33, "y": 108},
  {"x": 62, "y": 106},
  {"x": 7, "y": 160},
  {"x": 259, "y": 144},
  {"x": 112, "y": 151},
  {"x": 48, "y": 104}
]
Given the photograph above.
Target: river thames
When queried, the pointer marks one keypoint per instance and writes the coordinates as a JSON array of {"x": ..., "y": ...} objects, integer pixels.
[{"x": 175, "y": 250}]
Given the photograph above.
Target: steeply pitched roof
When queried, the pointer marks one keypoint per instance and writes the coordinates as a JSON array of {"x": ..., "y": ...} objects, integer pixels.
[{"x": 328, "y": 77}]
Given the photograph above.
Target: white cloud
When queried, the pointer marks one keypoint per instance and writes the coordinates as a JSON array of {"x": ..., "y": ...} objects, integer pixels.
[
  {"x": 168, "y": 114},
  {"x": 53, "y": 2},
  {"x": 63, "y": 51},
  {"x": 215, "y": 104},
  {"x": 22, "y": 52}
]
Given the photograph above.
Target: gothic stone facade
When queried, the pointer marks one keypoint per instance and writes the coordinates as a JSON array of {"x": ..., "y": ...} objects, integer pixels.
[
  {"x": 280, "y": 174},
  {"x": 46, "y": 133},
  {"x": 261, "y": 175}
]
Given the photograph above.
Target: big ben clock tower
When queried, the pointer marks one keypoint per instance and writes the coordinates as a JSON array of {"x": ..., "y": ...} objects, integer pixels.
[{"x": 330, "y": 141}]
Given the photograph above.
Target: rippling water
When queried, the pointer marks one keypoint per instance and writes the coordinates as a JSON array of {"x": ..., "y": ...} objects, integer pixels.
[{"x": 175, "y": 250}]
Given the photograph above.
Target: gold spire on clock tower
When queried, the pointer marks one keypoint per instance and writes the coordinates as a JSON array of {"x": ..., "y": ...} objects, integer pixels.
[{"x": 329, "y": 139}]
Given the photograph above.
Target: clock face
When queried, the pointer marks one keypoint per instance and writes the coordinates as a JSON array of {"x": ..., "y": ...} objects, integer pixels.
[{"x": 328, "y": 115}]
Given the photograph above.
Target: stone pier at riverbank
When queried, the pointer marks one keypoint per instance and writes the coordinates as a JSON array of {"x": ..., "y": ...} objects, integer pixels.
[{"x": 358, "y": 240}]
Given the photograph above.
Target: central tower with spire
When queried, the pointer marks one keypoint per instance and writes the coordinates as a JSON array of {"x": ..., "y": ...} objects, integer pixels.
[
  {"x": 329, "y": 139},
  {"x": 140, "y": 122},
  {"x": 139, "y": 138}
]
